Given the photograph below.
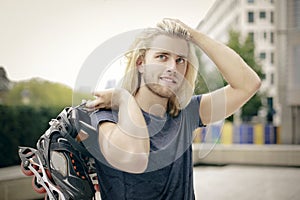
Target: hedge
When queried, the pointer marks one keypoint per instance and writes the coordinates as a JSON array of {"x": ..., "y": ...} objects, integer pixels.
[{"x": 22, "y": 126}]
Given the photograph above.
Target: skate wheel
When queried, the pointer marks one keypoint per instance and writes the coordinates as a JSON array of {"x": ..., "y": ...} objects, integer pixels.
[
  {"x": 37, "y": 187},
  {"x": 26, "y": 170}
]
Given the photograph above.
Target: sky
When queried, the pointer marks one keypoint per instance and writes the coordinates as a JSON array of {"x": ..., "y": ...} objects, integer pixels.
[{"x": 52, "y": 39}]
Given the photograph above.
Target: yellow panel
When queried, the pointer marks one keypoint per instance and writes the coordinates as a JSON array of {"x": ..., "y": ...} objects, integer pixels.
[
  {"x": 258, "y": 134},
  {"x": 227, "y": 133}
]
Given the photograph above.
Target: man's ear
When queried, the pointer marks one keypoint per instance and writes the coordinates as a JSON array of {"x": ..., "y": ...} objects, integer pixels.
[{"x": 140, "y": 64}]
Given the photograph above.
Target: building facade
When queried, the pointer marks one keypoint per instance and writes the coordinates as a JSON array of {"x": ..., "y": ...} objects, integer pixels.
[
  {"x": 257, "y": 19},
  {"x": 288, "y": 67}
]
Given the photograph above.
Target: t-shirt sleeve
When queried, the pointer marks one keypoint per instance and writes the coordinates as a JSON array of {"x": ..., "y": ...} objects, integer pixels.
[
  {"x": 193, "y": 110},
  {"x": 103, "y": 115}
]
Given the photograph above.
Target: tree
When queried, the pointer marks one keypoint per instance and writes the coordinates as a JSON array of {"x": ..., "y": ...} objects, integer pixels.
[
  {"x": 246, "y": 49},
  {"x": 209, "y": 78},
  {"x": 38, "y": 92},
  {"x": 200, "y": 85}
]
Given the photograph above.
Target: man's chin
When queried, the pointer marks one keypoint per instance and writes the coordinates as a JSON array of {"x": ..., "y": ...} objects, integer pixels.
[{"x": 161, "y": 90}]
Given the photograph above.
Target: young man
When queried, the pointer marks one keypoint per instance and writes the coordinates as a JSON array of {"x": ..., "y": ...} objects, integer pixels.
[{"x": 145, "y": 127}]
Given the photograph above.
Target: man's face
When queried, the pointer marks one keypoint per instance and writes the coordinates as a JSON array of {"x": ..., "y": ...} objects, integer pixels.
[{"x": 165, "y": 65}]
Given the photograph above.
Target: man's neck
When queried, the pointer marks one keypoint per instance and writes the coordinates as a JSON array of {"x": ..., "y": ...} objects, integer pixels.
[{"x": 150, "y": 102}]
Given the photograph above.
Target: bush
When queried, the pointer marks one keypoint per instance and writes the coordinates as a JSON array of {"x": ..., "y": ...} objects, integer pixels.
[{"x": 22, "y": 126}]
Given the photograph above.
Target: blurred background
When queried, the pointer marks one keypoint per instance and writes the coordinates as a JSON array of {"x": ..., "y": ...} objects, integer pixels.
[{"x": 43, "y": 45}]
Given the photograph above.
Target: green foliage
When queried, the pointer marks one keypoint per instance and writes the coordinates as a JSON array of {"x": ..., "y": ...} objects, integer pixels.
[
  {"x": 200, "y": 85},
  {"x": 208, "y": 79},
  {"x": 25, "y": 113},
  {"x": 22, "y": 126},
  {"x": 251, "y": 108},
  {"x": 246, "y": 49},
  {"x": 38, "y": 92}
]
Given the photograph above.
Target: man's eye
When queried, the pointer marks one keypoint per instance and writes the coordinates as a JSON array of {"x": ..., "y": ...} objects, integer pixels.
[
  {"x": 162, "y": 57},
  {"x": 180, "y": 60}
]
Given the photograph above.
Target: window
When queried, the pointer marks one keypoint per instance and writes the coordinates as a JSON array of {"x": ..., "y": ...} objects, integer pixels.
[
  {"x": 272, "y": 58},
  {"x": 262, "y": 55},
  {"x": 270, "y": 109},
  {"x": 272, "y": 17},
  {"x": 262, "y": 15},
  {"x": 250, "y": 1},
  {"x": 272, "y": 38},
  {"x": 250, "y": 17},
  {"x": 272, "y": 79},
  {"x": 265, "y": 35},
  {"x": 251, "y": 36}
]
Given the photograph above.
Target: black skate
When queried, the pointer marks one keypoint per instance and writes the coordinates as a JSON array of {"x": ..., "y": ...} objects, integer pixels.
[{"x": 61, "y": 165}]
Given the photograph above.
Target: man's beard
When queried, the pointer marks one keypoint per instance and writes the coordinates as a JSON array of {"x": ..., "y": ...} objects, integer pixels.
[{"x": 159, "y": 91}]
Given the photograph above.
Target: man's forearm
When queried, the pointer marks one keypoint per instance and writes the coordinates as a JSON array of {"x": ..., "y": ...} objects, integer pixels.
[{"x": 125, "y": 145}]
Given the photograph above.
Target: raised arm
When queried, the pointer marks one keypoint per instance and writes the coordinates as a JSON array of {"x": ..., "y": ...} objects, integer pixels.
[
  {"x": 125, "y": 145},
  {"x": 243, "y": 82}
]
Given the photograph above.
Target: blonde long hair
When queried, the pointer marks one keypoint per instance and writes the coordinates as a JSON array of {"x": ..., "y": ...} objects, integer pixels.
[{"x": 132, "y": 78}]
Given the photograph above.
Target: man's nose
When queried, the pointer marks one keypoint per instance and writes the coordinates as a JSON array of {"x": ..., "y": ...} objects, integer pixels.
[{"x": 172, "y": 65}]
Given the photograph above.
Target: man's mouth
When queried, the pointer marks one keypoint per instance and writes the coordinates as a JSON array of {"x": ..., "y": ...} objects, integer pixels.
[{"x": 168, "y": 79}]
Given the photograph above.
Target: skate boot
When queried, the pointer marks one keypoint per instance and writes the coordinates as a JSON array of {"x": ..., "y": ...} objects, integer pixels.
[{"x": 61, "y": 165}]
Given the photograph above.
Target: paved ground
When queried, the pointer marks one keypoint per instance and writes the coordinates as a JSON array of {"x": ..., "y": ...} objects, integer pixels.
[
  {"x": 228, "y": 182},
  {"x": 247, "y": 183}
]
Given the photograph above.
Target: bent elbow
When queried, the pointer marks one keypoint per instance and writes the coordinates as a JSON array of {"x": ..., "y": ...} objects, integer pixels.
[
  {"x": 257, "y": 84},
  {"x": 253, "y": 85}
]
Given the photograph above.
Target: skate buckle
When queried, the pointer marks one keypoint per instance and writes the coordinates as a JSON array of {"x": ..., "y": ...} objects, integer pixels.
[{"x": 54, "y": 122}]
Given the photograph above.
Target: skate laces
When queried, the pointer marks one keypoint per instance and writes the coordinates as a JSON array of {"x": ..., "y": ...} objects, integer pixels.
[{"x": 77, "y": 166}]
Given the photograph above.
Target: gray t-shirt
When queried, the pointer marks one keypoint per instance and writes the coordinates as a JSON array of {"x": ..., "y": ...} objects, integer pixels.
[{"x": 169, "y": 174}]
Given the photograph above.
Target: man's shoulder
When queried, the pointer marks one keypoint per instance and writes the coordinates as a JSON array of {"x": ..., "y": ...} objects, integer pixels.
[{"x": 102, "y": 115}]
